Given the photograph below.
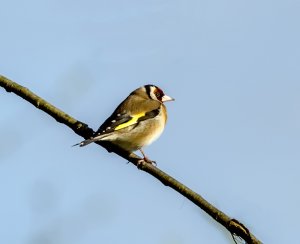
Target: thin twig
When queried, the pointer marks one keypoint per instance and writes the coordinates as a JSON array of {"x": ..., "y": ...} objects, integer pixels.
[{"x": 232, "y": 225}]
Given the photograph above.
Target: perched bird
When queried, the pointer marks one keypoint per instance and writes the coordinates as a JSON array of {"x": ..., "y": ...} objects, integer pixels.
[{"x": 137, "y": 121}]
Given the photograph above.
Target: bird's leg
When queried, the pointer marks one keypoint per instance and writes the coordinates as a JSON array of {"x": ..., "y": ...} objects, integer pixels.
[{"x": 146, "y": 159}]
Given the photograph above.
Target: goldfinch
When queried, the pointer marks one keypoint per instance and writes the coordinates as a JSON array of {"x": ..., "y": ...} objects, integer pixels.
[{"x": 136, "y": 122}]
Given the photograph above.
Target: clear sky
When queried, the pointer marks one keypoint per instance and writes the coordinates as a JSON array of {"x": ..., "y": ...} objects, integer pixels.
[{"x": 233, "y": 133}]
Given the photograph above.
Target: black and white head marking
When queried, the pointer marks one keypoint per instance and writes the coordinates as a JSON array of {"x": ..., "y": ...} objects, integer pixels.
[{"x": 154, "y": 92}]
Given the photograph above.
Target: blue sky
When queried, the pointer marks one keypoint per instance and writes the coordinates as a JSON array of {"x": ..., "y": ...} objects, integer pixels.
[{"x": 233, "y": 132}]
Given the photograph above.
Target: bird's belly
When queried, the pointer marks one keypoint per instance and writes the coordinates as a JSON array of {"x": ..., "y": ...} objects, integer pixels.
[{"x": 135, "y": 137}]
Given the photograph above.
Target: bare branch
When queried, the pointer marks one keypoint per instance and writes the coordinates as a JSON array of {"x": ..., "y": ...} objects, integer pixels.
[{"x": 232, "y": 225}]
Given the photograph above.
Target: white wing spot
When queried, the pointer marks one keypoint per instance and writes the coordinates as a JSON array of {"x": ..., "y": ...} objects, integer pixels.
[
  {"x": 113, "y": 121},
  {"x": 108, "y": 128},
  {"x": 118, "y": 115},
  {"x": 103, "y": 131}
]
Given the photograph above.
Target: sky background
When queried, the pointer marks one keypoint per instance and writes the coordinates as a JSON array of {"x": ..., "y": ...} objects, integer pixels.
[{"x": 233, "y": 133}]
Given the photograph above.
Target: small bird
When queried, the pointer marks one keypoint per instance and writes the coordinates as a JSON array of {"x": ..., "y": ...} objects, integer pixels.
[{"x": 136, "y": 122}]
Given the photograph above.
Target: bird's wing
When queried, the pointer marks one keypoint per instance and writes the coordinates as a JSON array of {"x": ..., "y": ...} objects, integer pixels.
[{"x": 136, "y": 112}]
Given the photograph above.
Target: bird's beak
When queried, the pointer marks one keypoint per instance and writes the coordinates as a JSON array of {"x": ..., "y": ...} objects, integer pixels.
[{"x": 166, "y": 98}]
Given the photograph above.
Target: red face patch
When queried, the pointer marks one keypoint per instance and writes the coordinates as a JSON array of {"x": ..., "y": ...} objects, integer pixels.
[{"x": 158, "y": 93}]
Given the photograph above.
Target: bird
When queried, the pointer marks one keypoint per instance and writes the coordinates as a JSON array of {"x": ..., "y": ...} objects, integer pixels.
[{"x": 137, "y": 122}]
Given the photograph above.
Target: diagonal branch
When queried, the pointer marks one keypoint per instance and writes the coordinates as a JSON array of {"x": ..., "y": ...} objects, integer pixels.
[{"x": 236, "y": 228}]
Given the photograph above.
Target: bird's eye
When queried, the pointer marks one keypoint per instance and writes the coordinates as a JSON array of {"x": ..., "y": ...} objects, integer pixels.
[{"x": 157, "y": 94}]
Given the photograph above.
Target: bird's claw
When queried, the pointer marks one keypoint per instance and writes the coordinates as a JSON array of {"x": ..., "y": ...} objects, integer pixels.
[
  {"x": 145, "y": 160},
  {"x": 154, "y": 163}
]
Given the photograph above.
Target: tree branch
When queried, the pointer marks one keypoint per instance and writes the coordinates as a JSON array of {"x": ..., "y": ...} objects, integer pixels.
[{"x": 236, "y": 228}]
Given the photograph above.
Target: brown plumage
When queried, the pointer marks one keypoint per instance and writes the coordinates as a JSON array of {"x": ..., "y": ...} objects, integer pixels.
[{"x": 136, "y": 122}]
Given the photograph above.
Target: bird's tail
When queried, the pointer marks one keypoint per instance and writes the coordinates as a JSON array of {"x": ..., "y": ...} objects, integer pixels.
[
  {"x": 84, "y": 143},
  {"x": 88, "y": 141}
]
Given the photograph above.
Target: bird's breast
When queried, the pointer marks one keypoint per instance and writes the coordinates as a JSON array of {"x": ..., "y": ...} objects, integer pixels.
[{"x": 139, "y": 135}]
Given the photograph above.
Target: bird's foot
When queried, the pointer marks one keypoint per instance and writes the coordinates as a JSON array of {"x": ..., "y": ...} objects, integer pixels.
[{"x": 145, "y": 160}]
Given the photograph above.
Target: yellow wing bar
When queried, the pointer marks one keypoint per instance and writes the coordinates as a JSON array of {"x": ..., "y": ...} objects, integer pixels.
[{"x": 132, "y": 121}]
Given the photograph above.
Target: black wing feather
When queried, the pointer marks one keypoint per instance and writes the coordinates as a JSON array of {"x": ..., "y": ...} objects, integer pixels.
[
  {"x": 149, "y": 115},
  {"x": 112, "y": 122},
  {"x": 115, "y": 120}
]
